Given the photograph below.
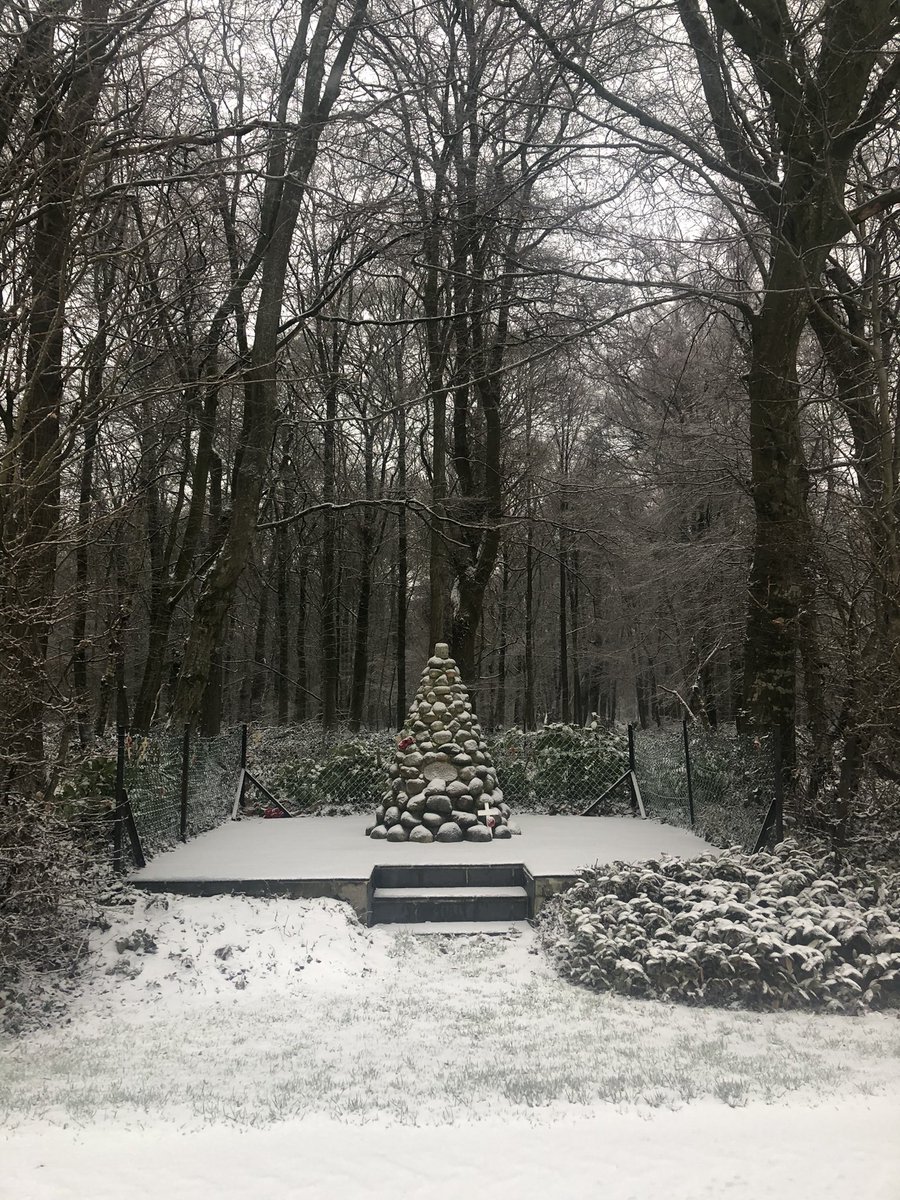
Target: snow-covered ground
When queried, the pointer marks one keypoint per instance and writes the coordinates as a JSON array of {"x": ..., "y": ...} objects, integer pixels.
[
  {"x": 233, "y": 1047},
  {"x": 319, "y": 847}
]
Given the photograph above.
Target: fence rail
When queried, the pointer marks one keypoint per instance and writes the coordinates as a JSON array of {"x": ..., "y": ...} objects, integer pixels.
[{"x": 174, "y": 785}]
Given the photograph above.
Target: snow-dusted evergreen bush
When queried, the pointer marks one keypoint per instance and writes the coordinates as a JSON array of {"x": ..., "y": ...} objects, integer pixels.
[{"x": 765, "y": 931}]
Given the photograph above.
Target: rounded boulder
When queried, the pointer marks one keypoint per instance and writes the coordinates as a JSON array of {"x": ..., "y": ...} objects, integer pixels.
[
  {"x": 449, "y": 832},
  {"x": 478, "y": 833}
]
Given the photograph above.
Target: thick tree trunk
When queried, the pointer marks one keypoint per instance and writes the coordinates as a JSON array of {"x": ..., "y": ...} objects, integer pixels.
[
  {"x": 563, "y": 631},
  {"x": 863, "y": 393},
  {"x": 402, "y": 571},
  {"x": 364, "y": 599},
  {"x": 212, "y": 711},
  {"x": 82, "y": 606},
  {"x": 259, "y": 676},
  {"x": 503, "y": 634},
  {"x": 466, "y": 620},
  {"x": 779, "y": 571},
  {"x": 329, "y": 603},
  {"x": 301, "y": 691},
  {"x": 282, "y": 631},
  {"x": 528, "y": 707},
  {"x": 577, "y": 698},
  {"x": 361, "y": 650}
]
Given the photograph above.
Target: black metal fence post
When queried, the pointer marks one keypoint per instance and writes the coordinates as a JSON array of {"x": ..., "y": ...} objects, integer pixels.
[
  {"x": 631, "y": 767},
  {"x": 243, "y": 747},
  {"x": 185, "y": 771},
  {"x": 631, "y": 747},
  {"x": 687, "y": 763},
  {"x": 119, "y": 812}
]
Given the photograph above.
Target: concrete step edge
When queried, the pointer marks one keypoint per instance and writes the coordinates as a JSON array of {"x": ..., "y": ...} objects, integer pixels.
[{"x": 461, "y": 892}]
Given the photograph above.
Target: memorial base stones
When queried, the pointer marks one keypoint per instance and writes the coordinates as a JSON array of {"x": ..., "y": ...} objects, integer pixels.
[{"x": 443, "y": 785}]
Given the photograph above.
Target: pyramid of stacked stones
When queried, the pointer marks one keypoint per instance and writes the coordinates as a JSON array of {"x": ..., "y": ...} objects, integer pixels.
[{"x": 443, "y": 782}]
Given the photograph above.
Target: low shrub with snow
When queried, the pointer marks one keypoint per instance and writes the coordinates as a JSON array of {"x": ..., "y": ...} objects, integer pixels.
[
  {"x": 50, "y": 875},
  {"x": 764, "y": 931}
]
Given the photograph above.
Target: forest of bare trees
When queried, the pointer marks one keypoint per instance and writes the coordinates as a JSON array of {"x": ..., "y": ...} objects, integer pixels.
[{"x": 562, "y": 333}]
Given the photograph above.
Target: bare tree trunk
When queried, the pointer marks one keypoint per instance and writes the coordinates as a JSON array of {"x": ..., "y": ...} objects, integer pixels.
[
  {"x": 503, "y": 634},
  {"x": 780, "y": 567},
  {"x": 528, "y": 719},
  {"x": 578, "y": 706},
  {"x": 301, "y": 692},
  {"x": 31, "y": 523},
  {"x": 79, "y": 625},
  {"x": 281, "y": 622},
  {"x": 260, "y": 673},
  {"x": 562, "y": 630},
  {"x": 330, "y": 651},
  {"x": 284, "y": 193},
  {"x": 402, "y": 570},
  {"x": 364, "y": 600}
]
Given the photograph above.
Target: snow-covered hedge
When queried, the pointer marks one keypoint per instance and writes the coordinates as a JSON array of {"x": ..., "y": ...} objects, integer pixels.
[{"x": 764, "y": 931}]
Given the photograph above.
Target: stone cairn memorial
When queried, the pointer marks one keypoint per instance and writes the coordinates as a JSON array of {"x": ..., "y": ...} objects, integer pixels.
[{"x": 443, "y": 782}]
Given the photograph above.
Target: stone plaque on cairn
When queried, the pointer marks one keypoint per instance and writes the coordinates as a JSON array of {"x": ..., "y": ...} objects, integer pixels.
[{"x": 443, "y": 784}]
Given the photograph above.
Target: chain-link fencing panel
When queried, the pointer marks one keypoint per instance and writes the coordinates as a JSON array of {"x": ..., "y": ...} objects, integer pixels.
[
  {"x": 661, "y": 770},
  {"x": 555, "y": 769},
  {"x": 316, "y": 771},
  {"x": 727, "y": 778},
  {"x": 213, "y": 767},
  {"x": 558, "y": 768},
  {"x": 153, "y": 783},
  {"x": 733, "y": 783},
  {"x": 561, "y": 768},
  {"x": 154, "y": 777}
]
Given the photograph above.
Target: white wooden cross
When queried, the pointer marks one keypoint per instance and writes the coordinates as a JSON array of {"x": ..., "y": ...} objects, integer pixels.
[{"x": 486, "y": 813}]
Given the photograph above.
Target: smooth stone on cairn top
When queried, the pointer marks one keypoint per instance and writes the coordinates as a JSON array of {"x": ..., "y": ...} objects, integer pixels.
[{"x": 442, "y": 784}]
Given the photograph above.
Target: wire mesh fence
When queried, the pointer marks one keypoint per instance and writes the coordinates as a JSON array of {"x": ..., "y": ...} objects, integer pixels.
[
  {"x": 311, "y": 770},
  {"x": 559, "y": 768},
  {"x": 212, "y": 775},
  {"x": 179, "y": 787},
  {"x": 718, "y": 782},
  {"x": 152, "y": 778},
  {"x": 562, "y": 768}
]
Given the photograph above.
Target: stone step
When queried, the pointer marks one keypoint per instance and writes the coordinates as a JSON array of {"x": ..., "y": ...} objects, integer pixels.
[
  {"x": 401, "y": 875},
  {"x": 431, "y": 904},
  {"x": 428, "y": 892}
]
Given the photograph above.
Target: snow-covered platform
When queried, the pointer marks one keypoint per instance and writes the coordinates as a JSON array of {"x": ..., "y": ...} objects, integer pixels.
[{"x": 331, "y": 856}]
